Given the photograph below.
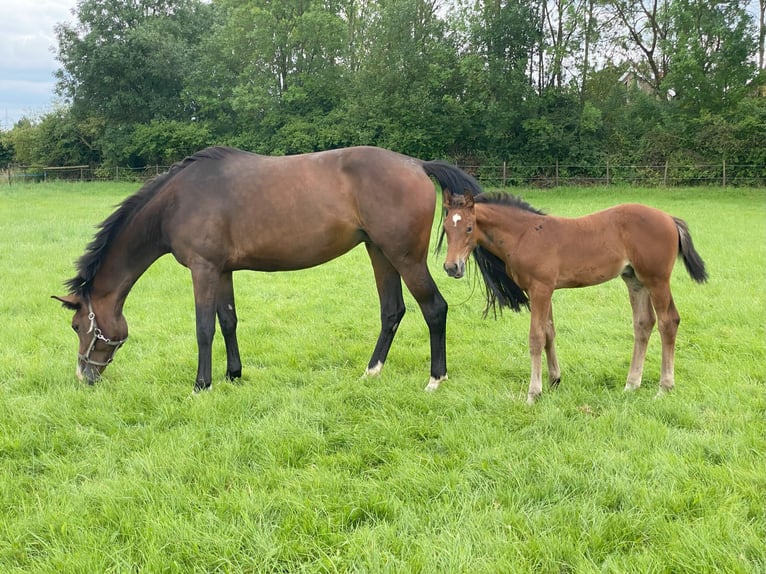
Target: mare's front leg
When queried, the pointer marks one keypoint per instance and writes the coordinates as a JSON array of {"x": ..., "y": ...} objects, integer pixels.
[
  {"x": 540, "y": 308},
  {"x": 227, "y": 318},
  {"x": 206, "y": 280}
]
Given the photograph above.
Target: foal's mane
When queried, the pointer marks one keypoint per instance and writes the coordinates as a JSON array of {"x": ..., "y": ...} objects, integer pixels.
[
  {"x": 507, "y": 199},
  {"x": 90, "y": 262}
]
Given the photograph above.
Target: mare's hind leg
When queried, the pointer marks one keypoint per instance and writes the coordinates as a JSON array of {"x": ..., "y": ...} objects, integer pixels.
[
  {"x": 227, "y": 318},
  {"x": 389, "y": 285},
  {"x": 554, "y": 372},
  {"x": 643, "y": 323},
  {"x": 668, "y": 321},
  {"x": 434, "y": 309},
  {"x": 415, "y": 274},
  {"x": 205, "y": 279}
]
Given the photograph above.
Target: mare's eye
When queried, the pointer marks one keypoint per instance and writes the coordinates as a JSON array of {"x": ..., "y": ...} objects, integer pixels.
[{"x": 76, "y": 328}]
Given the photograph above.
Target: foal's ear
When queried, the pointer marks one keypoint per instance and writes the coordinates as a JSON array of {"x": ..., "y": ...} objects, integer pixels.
[
  {"x": 69, "y": 302},
  {"x": 467, "y": 198}
]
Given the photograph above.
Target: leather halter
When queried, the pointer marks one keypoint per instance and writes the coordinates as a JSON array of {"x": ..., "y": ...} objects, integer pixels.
[{"x": 98, "y": 335}]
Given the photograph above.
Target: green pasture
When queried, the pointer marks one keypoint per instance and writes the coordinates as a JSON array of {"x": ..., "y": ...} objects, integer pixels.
[{"x": 305, "y": 466}]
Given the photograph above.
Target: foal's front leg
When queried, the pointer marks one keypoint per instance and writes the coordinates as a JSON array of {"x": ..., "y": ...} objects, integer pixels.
[{"x": 554, "y": 372}]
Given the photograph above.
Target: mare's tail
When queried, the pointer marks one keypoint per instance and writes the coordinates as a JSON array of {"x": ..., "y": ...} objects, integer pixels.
[
  {"x": 453, "y": 181},
  {"x": 692, "y": 260}
]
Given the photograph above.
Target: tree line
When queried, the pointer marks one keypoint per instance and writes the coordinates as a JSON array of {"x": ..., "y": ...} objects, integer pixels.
[{"x": 528, "y": 81}]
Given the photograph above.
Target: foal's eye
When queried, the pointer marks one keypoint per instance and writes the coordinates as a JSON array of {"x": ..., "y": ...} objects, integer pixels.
[{"x": 469, "y": 229}]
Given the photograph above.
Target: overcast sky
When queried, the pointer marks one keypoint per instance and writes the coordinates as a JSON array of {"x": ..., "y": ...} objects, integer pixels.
[{"x": 27, "y": 59}]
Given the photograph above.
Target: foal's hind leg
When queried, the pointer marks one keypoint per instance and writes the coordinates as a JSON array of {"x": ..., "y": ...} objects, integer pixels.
[
  {"x": 668, "y": 320},
  {"x": 643, "y": 323},
  {"x": 227, "y": 317},
  {"x": 389, "y": 285}
]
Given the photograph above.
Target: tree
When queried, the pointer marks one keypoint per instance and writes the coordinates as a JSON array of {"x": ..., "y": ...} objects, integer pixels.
[
  {"x": 126, "y": 61},
  {"x": 6, "y": 155},
  {"x": 709, "y": 54},
  {"x": 405, "y": 94}
]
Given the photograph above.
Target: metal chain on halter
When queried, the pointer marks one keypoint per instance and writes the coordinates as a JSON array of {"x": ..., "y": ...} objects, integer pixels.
[{"x": 98, "y": 336}]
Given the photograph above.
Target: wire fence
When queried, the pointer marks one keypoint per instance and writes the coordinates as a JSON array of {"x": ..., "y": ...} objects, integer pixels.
[{"x": 494, "y": 176}]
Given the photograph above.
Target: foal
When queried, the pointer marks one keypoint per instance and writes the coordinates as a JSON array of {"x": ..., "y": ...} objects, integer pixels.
[{"x": 524, "y": 255}]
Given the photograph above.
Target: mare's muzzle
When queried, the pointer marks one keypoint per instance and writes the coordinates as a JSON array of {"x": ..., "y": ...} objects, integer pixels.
[{"x": 87, "y": 366}]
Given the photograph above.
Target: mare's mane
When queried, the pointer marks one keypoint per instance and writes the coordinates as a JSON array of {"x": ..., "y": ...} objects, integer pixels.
[{"x": 90, "y": 262}]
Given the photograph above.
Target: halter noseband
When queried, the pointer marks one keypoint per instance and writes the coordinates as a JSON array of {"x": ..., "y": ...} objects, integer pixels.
[{"x": 98, "y": 336}]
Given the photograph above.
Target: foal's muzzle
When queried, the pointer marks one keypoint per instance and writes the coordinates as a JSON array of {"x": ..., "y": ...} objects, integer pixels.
[{"x": 456, "y": 270}]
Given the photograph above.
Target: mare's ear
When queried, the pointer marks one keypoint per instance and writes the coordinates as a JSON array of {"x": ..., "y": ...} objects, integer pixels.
[{"x": 69, "y": 302}]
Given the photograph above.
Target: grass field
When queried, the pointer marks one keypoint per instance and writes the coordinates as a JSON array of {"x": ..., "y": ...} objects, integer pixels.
[{"x": 303, "y": 466}]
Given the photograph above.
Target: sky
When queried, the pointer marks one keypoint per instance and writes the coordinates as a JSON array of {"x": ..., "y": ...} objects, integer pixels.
[{"x": 27, "y": 58}]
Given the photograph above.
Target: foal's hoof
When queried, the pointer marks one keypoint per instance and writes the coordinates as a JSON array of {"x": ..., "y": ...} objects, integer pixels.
[
  {"x": 532, "y": 398},
  {"x": 554, "y": 384},
  {"x": 434, "y": 383},
  {"x": 662, "y": 392}
]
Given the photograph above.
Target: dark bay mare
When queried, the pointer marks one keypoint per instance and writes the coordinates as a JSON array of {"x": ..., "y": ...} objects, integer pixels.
[
  {"x": 524, "y": 255},
  {"x": 222, "y": 210}
]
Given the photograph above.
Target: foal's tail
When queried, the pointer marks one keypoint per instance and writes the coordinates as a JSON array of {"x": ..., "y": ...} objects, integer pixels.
[{"x": 692, "y": 260}]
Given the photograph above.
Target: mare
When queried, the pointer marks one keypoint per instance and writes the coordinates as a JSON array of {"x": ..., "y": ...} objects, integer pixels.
[
  {"x": 524, "y": 255},
  {"x": 222, "y": 210}
]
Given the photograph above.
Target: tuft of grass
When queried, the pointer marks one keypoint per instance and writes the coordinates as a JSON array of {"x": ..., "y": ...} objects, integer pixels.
[{"x": 304, "y": 466}]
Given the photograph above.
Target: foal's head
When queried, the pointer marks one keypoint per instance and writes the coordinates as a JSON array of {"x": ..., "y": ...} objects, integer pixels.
[
  {"x": 459, "y": 225},
  {"x": 99, "y": 340}
]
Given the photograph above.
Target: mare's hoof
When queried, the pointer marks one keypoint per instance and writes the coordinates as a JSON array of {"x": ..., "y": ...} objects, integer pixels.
[
  {"x": 373, "y": 371},
  {"x": 232, "y": 375},
  {"x": 201, "y": 389},
  {"x": 434, "y": 383}
]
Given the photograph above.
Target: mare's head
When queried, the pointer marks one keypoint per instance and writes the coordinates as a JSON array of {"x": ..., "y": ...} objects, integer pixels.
[
  {"x": 99, "y": 338},
  {"x": 459, "y": 226}
]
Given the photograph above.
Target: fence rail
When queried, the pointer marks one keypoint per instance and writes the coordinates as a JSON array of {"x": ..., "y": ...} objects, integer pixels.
[{"x": 504, "y": 175}]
